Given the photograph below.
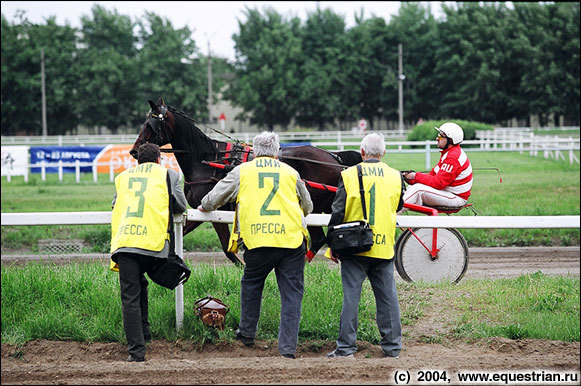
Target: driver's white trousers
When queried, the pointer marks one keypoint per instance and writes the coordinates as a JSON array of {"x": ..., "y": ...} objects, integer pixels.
[{"x": 420, "y": 194}]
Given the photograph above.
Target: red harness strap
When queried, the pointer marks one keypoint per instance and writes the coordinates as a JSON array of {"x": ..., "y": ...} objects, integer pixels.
[
  {"x": 228, "y": 154},
  {"x": 247, "y": 150}
]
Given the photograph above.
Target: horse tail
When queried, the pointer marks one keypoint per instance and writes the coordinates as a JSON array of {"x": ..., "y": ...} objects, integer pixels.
[{"x": 347, "y": 157}]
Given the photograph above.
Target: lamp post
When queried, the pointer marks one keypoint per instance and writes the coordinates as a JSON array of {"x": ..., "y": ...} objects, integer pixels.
[
  {"x": 400, "y": 78},
  {"x": 210, "y": 120},
  {"x": 42, "y": 76}
]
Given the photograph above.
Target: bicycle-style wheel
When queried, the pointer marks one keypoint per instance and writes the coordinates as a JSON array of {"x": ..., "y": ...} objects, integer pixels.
[{"x": 414, "y": 263}]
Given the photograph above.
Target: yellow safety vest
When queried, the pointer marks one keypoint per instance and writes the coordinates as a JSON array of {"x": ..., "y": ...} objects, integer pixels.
[
  {"x": 141, "y": 214},
  {"x": 268, "y": 209},
  {"x": 382, "y": 186}
]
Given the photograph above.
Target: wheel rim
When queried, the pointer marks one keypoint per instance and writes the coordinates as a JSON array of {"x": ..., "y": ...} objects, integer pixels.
[{"x": 416, "y": 263}]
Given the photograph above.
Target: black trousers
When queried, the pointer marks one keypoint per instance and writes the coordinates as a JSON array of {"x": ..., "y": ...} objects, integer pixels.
[{"x": 134, "y": 301}]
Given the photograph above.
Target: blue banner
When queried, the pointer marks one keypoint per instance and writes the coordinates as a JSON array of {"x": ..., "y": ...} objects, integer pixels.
[
  {"x": 291, "y": 144},
  {"x": 68, "y": 154}
]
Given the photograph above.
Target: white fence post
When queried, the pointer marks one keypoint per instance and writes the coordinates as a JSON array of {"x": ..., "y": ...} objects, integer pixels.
[
  {"x": 111, "y": 173},
  {"x": 179, "y": 249},
  {"x": 428, "y": 163},
  {"x": 60, "y": 170},
  {"x": 78, "y": 171},
  {"x": 43, "y": 170},
  {"x": 95, "y": 176}
]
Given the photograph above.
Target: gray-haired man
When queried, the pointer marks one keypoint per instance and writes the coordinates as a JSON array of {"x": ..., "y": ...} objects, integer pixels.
[{"x": 271, "y": 202}]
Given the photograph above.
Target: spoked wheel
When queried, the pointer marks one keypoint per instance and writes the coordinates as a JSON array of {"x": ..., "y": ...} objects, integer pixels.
[{"x": 414, "y": 263}]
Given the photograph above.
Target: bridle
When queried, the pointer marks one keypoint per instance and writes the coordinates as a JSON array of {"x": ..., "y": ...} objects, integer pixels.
[{"x": 159, "y": 127}]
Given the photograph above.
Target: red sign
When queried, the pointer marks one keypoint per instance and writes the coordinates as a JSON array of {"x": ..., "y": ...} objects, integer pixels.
[{"x": 222, "y": 117}]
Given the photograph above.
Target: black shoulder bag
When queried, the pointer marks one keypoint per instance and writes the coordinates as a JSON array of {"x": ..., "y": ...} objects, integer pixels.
[
  {"x": 173, "y": 271},
  {"x": 352, "y": 237}
]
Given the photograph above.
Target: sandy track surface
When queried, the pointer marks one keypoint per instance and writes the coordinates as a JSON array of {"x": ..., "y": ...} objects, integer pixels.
[{"x": 500, "y": 262}]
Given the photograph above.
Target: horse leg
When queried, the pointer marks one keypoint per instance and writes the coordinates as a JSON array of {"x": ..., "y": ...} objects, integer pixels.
[
  {"x": 224, "y": 235},
  {"x": 190, "y": 226},
  {"x": 318, "y": 239}
]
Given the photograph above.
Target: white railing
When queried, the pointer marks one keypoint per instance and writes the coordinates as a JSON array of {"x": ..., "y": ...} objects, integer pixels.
[
  {"x": 336, "y": 136},
  {"x": 100, "y": 218},
  {"x": 69, "y": 140},
  {"x": 507, "y": 139},
  {"x": 555, "y": 148}
]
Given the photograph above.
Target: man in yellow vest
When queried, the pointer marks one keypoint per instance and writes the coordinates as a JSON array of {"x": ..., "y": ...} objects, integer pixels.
[
  {"x": 384, "y": 188},
  {"x": 139, "y": 236},
  {"x": 271, "y": 202}
]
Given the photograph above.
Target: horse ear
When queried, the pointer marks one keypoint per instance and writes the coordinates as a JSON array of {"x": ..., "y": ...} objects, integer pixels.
[
  {"x": 152, "y": 105},
  {"x": 160, "y": 101}
]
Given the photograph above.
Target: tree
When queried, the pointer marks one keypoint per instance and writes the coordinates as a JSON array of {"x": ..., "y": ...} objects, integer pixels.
[
  {"x": 470, "y": 58},
  {"x": 268, "y": 55},
  {"x": 371, "y": 70},
  {"x": 168, "y": 67},
  {"x": 324, "y": 84},
  {"x": 548, "y": 41},
  {"x": 416, "y": 29},
  {"x": 21, "y": 77},
  {"x": 108, "y": 78}
]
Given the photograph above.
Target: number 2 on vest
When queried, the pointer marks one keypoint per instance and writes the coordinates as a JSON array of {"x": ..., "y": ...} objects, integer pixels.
[
  {"x": 275, "y": 178},
  {"x": 139, "y": 194}
]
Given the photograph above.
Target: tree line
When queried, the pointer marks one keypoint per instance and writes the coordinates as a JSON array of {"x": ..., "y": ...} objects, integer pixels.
[{"x": 485, "y": 62}]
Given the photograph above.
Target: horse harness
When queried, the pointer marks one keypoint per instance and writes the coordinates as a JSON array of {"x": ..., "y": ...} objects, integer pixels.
[{"x": 234, "y": 154}]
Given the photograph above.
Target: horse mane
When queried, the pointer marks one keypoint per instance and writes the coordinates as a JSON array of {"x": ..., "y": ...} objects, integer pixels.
[
  {"x": 348, "y": 157},
  {"x": 196, "y": 142}
]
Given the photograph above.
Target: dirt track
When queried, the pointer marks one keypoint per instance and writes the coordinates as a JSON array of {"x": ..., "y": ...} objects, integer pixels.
[
  {"x": 491, "y": 263},
  {"x": 46, "y": 362}
]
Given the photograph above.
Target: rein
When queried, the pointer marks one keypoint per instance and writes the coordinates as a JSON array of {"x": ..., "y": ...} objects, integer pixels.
[
  {"x": 313, "y": 161},
  {"x": 172, "y": 151},
  {"x": 315, "y": 185},
  {"x": 211, "y": 128}
]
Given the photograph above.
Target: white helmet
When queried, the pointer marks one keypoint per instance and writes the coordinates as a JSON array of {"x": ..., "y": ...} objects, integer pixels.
[{"x": 452, "y": 131}]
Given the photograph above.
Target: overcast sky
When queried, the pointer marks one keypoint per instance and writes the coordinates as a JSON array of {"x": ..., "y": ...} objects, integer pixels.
[{"x": 214, "y": 20}]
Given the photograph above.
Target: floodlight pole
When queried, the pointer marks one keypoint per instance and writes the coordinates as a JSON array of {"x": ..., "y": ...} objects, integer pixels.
[
  {"x": 400, "y": 78},
  {"x": 210, "y": 120},
  {"x": 44, "y": 126}
]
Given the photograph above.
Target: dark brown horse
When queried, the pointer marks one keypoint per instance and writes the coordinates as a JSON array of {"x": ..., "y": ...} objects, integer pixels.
[{"x": 192, "y": 148}]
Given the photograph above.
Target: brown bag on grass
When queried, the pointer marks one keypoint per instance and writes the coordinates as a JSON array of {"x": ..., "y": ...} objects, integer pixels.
[{"x": 212, "y": 311}]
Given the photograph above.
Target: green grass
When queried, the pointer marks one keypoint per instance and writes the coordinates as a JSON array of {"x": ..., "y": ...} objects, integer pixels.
[
  {"x": 531, "y": 186},
  {"x": 532, "y": 306},
  {"x": 81, "y": 302}
]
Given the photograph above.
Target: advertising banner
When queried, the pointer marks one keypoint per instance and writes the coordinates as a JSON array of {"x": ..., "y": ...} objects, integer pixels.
[
  {"x": 67, "y": 154},
  {"x": 118, "y": 156},
  {"x": 14, "y": 160}
]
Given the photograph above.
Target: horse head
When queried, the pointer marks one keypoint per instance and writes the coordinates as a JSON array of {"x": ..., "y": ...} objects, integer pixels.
[{"x": 157, "y": 128}]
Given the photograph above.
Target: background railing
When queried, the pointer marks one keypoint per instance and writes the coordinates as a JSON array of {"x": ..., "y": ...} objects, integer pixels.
[
  {"x": 336, "y": 136},
  {"x": 522, "y": 140}
]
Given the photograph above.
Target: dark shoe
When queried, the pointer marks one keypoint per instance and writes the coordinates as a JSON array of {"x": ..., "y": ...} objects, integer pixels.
[
  {"x": 248, "y": 342},
  {"x": 135, "y": 359},
  {"x": 335, "y": 354},
  {"x": 386, "y": 355},
  {"x": 291, "y": 356}
]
